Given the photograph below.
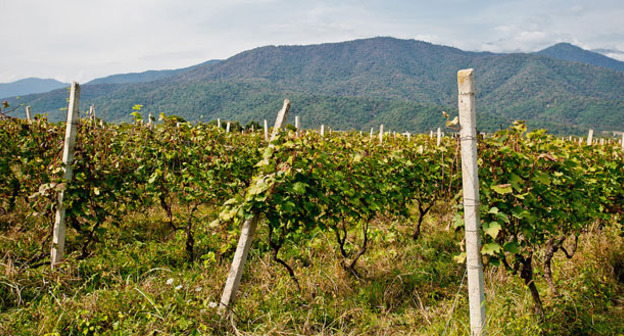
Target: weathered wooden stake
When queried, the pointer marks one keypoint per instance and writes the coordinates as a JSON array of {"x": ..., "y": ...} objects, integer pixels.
[
  {"x": 322, "y": 131},
  {"x": 371, "y": 133},
  {"x": 219, "y": 122},
  {"x": 150, "y": 122},
  {"x": 58, "y": 235},
  {"x": 590, "y": 137},
  {"x": 247, "y": 233},
  {"x": 439, "y": 137},
  {"x": 227, "y": 127},
  {"x": 470, "y": 182},
  {"x": 381, "y": 134},
  {"x": 28, "y": 115},
  {"x": 92, "y": 112}
]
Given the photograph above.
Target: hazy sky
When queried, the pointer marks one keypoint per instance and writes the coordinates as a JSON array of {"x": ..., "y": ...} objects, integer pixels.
[{"x": 85, "y": 39}]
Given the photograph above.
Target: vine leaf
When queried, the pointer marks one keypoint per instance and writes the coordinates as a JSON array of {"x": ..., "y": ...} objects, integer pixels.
[{"x": 492, "y": 229}]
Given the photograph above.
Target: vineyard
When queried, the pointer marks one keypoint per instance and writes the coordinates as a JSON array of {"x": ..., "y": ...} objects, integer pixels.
[{"x": 358, "y": 234}]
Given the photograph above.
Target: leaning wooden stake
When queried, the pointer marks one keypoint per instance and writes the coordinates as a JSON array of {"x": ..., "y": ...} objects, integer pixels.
[
  {"x": 28, "y": 114},
  {"x": 58, "y": 235},
  {"x": 590, "y": 137},
  {"x": 470, "y": 182},
  {"x": 247, "y": 233}
]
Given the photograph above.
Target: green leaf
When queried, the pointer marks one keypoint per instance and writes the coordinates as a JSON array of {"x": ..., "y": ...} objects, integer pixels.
[
  {"x": 541, "y": 177},
  {"x": 511, "y": 247},
  {"x": 490, "y": 249},
  {"x": 299, "y": 188}
]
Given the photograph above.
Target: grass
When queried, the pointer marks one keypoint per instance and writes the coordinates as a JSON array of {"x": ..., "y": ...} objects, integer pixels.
[{"x": 138, "y": 282}]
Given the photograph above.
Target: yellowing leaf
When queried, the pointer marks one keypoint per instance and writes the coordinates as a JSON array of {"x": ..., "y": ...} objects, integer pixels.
[
  {"x": 492, "y": 229},
  {"x": 502, "y": 188}
]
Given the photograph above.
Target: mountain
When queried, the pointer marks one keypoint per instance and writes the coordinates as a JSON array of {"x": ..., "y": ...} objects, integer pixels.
[
  {"x": 146, "y": 76},
  {"x": 29, "y": 86},
  {"x": 404, "y": 84},
  {"x": 569, "y": 52}
]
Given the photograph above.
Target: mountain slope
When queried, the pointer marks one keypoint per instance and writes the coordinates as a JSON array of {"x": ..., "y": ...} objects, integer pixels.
[
  {"x": 146, "y": 76},
  {"x": 569, "y": 52},
  {"x": 403, "y": 84},
  {"x": 29, "y": 86}
]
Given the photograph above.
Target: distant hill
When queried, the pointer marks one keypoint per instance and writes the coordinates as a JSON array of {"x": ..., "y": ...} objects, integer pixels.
[
  {"x": 569, "y": 52},
  {"x": 29, "y": 86},
  {"x": 404, "y": 84},
  {"x": 146, "y": 76}
]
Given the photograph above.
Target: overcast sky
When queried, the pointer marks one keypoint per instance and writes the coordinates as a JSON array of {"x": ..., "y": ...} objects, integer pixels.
[{"x": 86, "y": 39}]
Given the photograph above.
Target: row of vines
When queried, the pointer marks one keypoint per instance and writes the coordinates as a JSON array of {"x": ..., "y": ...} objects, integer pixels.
[{"x": 538, "y": 193}]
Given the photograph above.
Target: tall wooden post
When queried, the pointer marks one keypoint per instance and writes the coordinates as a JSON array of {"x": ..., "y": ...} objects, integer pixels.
[
  {"x": 28, "y": 114},
  {"x": 470, "y": 182},
  {"x": 381, "y": 134},
  {"x": 219, "y": 122},
  {"x": 58, "y": 235},
  {"x": 322, "y": 131},
  {"x": 590, "y": 137},
  {"x": 247, "y": 233}
]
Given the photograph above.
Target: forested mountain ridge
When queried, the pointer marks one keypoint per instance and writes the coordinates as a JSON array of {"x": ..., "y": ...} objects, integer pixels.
[{"x": 404, "y": 84}]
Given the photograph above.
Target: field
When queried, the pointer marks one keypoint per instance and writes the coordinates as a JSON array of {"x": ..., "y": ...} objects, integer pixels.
[{"x": 357, "y": 236}]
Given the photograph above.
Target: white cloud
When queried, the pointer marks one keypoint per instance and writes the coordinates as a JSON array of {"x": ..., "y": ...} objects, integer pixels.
[{"x": 77, "y": 39}]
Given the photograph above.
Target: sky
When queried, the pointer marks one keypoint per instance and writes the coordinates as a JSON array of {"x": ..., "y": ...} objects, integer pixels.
[{"x": 86, "y": 39}]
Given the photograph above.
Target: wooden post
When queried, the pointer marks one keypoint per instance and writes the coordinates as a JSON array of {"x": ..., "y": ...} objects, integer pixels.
[
  {"x": 219, "y": 122},
  {"x": 91, "y": 112},
  {"x": 381, "y": 134},
  {"x": 470, "y": 182},
  {"x": 439, "y": 137},
  {"x": 602, "y": 141},
  {"x": 58, "y": 235},
  {"x": 297, "y": 125},
  {"x": 590, "y": 137},
  {"x": 227, "y": 127},
  {"x": 247, "y": 233},
  {"x": 431, "y": 134},
  {"x": 28, "y": 115},
  {"x": 371, "y": 133},
  {"x": 266, "y": 131},
  {"x": 150, "y": 122},
  {"x": 322, "y": 131}
]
